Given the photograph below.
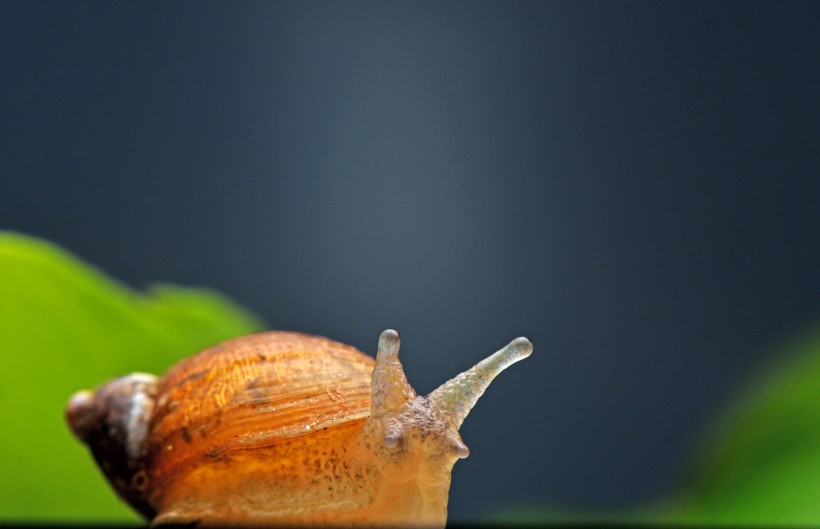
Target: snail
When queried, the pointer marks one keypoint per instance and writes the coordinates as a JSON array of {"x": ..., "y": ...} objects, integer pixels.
[{"x": 284, "y": 428}]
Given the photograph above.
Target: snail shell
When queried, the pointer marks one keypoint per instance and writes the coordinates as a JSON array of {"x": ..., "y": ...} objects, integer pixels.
[{"x": 282, "y": 427}]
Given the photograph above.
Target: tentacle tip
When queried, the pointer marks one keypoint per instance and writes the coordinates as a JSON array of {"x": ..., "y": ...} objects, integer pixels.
[
  {"x": 389, "y": 342},
  {"x": 460, "y": 450},
  {"x": 521, "y": 347}
]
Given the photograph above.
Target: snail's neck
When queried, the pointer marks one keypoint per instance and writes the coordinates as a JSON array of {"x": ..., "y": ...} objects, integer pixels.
[{"x": 397, "y": 495}]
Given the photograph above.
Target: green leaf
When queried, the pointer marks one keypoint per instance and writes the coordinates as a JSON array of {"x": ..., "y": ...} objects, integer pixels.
[
  {"x": 65, "y": 326},
  {"x": 759, "y": 462}
]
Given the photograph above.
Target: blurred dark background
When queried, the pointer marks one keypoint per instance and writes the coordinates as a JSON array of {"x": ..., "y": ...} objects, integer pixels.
[{"x": 633, "y": 185}]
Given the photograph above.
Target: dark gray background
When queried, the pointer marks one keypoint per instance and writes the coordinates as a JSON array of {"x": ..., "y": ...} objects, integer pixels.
[{"x": 633, "y": 185}]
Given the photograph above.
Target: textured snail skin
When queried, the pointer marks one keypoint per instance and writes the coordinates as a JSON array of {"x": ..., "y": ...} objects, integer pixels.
[{"x": 283, "y": 428}]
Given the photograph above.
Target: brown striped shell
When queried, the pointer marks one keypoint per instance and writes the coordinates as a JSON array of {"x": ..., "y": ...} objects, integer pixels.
[{"x": 252, "y": 392}]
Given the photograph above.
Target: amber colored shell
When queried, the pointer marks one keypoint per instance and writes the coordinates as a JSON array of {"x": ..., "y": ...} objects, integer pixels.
[{"x": 253, "y": 392}]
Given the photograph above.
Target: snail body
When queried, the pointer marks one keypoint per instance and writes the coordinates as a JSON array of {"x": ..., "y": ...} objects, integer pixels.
[{"x": 283, "y": 428}]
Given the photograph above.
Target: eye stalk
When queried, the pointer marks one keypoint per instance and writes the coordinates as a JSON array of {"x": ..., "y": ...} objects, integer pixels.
[
  {"x": 456, "y": 397},
  {"x": 389, "y": 386}
]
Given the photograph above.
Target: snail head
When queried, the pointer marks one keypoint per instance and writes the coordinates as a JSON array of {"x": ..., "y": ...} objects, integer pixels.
[{"x": 416, "y": 436}]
